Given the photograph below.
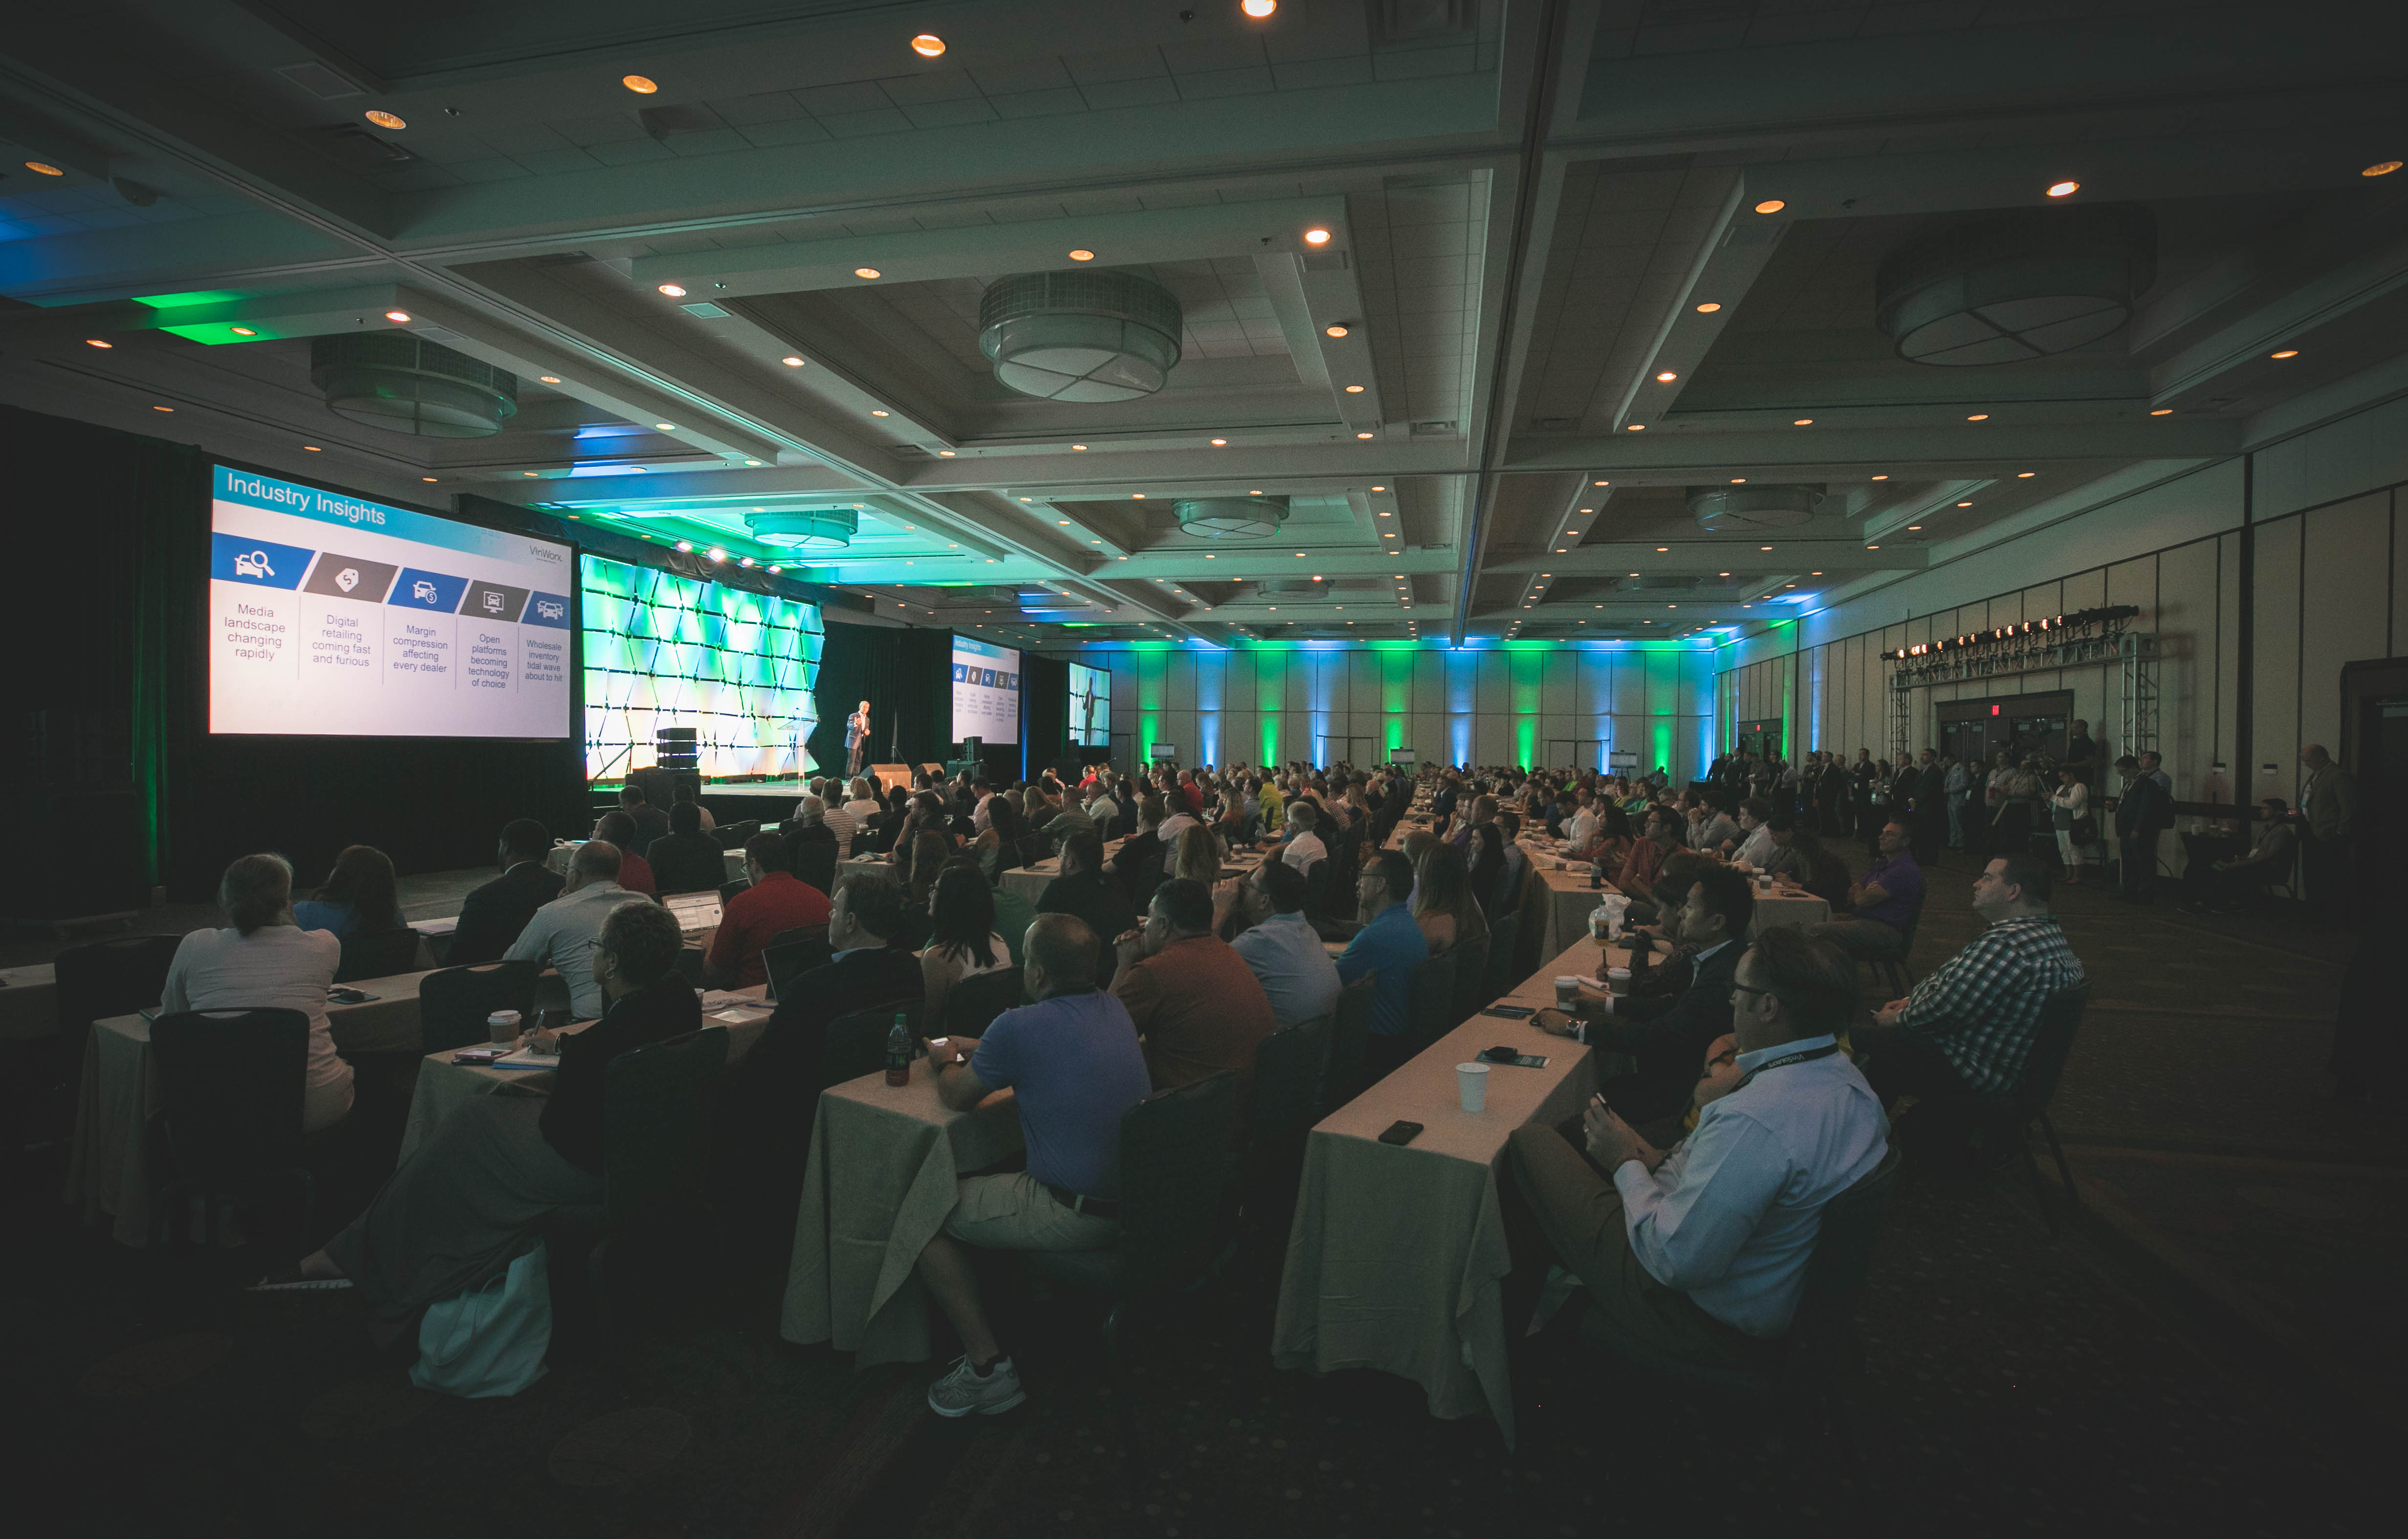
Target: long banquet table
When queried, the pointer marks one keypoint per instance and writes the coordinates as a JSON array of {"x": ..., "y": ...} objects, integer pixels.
[{"x": 1396, "y": 1255}]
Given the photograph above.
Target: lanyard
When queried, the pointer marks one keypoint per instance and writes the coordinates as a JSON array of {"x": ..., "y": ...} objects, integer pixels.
[{"x": 1785, "y": 1060}]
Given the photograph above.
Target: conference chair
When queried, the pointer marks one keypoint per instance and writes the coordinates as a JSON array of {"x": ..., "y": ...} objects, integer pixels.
[
  {"x": 1341, "y": 1076},
  {"x": 732, "y": 888},
  {"x": 1470, "y": 977},
  {"x": 627, "y": 1259},
  {"x": 1504, "y": 944},
  {"x": 229, "y": 1089},
  {"x": 378, "y": 954},
  {"x": 1892, "y": 972},
  {"x": 855, "y": 1044},
  {"x": 454, "y": 1004},
  {"x": 1289, "y": 1067},
  {"x": 113, "y": 977},
  {"x": 1801, "y": 1373},
  {"x": 1433, "y": 995},
  {"x": 973, "y": 1003},
  {"x": 2060, "y": 1018},
  {"x": 793, "y": 953},
  {"x": 1176, "y": 1166}
]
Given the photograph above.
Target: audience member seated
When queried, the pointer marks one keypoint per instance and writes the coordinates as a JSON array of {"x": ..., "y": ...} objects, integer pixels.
[
  {"x": 1756, "y": 846},
  {"x": 683, "y": 797},
  {"x": 358, "y": 897},
  {"x": 266, "y": 962},
  {"x": 492, "y": 916},
  {"x": 1885, "y": 901},
  {"x": 1014, "y": 914},
  {"x": 562, "y": 933},
  {"x": 962, "y": 942},
  {"x": 1303, "y": 848},
  {"x": 840, "y": 823},
  {"x": 1388, "y": 948},
  {"x": 1700, "y": 1253},
  {"x": 772, "y": 905},
  {"x": 1199, "y": 857},
  {"x": 1198, "y": 1007},
  {"x": 772, "y": 1096},
  {"x": 1138, "y": 862},
  {"x": 456, "y": 1214},
  {"x": 1072, "y": 1061},
  {"x": 1671, "y": 1040},
  {"x": 686, "y": 859},
  {"x": 1800, "y": 856},
  {"x": 1665, "y": 830},
  {"x": 634, "y": 872},
  {"x": 1085, "y": 888},
  {"x": 862, "y": 800},
  {"x": 1444, "y": 906},
  {"x": 1967, "y": 1029},
  {"x": 2224, "y": 885},
  {"x": 1177, "y": 819},
  {"x": 650, "y": 822},
  {"x": 1278, "y": 944},
  {"x": 812, "y": 848}
]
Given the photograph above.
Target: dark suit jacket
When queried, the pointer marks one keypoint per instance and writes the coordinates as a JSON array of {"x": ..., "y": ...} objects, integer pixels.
[
  {"x": 1138, "y": 863},
  {"x": 1672, "y": 1048},
  {"x": 1097, "y": 899},
  {"x": 572, "y": 1113},
  {"x": 2144, "y": 809},
  {"x": 812, "y": 849},
  {"x": 687, "y": 863},
  {"x": 651, "y": 823},
  {"x": 492, "y": 916}
]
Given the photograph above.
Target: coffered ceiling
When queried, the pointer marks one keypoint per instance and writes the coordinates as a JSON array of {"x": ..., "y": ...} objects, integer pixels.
[{"x": 1583, "y": 261}]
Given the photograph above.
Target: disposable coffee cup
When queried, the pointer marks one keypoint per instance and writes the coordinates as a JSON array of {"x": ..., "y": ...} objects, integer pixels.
[
  {"x": 1566, "y": 992},
  {"x": 1471, "y": 1086},
  {"x": 1617, "y": 979},
  {"x": 1560, "y": 864},
  {"x": 502, "y": 1027}
]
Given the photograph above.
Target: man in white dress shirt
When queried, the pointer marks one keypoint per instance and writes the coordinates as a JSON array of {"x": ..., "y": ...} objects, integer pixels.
[
  {"x": 1699, "y": 1252},
  {"x": 1303, "y": 848}
]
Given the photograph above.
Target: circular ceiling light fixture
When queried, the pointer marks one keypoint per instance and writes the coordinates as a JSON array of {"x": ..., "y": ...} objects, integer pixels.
[
  {"x": 1258, "y": 8},
  {"x": 1666, "y": 377},
  {"x": 1231, "y": 518},
  {"x": 1979, "y": 417},
  {"x": 549, "y": 379},
  {"x": 1333, "y": 331},
  {"x": 2162, "y": 411},
  {"x": 2063, "y": 189},
  {"x": 1316, "y": 237},
  {"x": 1082, "y": 254},
  {"x": 94, "y": 341},
  {"x": 642, "y": 85},
  {"x": 403, "y": 384},
  {"x": 1362, "y": 435},
  {"x": 398, "y": 316},
  {"x": 927, "y": 45},
  {"x": 1220, "y": 443},
  {"x": 1636, "y": 427},
  {"x": 2287, "y": 352},
  {"x": 242, "y": 331},
  {"x": 673, "y": 290},
  {"x": 1770, "y": 205},
  {"x": 1087, "y": 336},
  {"x": 805, "y": 528},
  {"x": 2381, "y": 168},
  {"x": 865, "y": 272},
  {"x": 43, "y": 168},
  {"x": 1803, "y": 422},
  {"x": 1744, "y": 508},
  {"x": 2003, "y": 288},
  {"x": 2025, "y": 475},
  {"x": 791, "y": 361},
  {"x": 1708, "y": 308},
  {"x": 383, "y": 118}
]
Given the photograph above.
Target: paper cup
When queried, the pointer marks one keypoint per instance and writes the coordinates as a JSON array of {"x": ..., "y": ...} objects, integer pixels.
[
  {"x": 502, "y": 1027},
  {"x": 1618, "y": 979},
  {"x": 1566, "y": 992},
  {"x": 1471, "y": 1086}
]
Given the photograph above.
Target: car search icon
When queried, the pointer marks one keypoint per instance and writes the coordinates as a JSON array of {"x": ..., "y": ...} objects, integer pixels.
[{"x": 253, "y": 564}]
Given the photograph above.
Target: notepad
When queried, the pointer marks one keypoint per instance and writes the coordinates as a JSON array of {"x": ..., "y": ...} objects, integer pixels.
[{"x": 527, "y": 1057}]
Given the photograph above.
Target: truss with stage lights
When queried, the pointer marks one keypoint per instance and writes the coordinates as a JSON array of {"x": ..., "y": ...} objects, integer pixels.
[{"x": 2094, "y": 638}]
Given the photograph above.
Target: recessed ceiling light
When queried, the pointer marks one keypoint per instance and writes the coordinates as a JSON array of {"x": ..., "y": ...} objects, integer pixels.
[
  {"x": 1636, "y": 427},
  {"x": 791, "y": 361},
  {"x": 1883, "y": 477},
  {"x": 549, "y": 379},
  {"x": 865, "y": 272},
  {"x": 1661, "y": 548},
  {"x": 2025, "y": 475},
  {"x": 640, "y": 84},
  {"x": 1666, "y": 377},
  {"x": 1770, "y": 205},
  {"x": 312, "y": 448},
  {"x": 1803, "y": 422},
  {"x": 876, "y": 412},
  {"x": 1764, "y": 547},
  {"x": 1813, "y": 574},
  {"x": 1979, "y": 417},
  {"x": 1354, "y": 389},
  {"x": 944, "y": 454},
  {"x": 2287, "y": 352},
  {"x": 1333, "y": 331},
  {"x": 527, "y": 472},
  {"x": 1960, "y": 505},
  {"x": 1709, "y": 308},
  {"x": 426, "y": 478},
  {"x": 94, "y": 341},
  {"x": 1079, "y": 446},
  {"x": 43, "y": 168},
  {"x": 673, "y": 290},
  {"x": 398, "y": 316},
  {"x": 755, "y": 464},
  {"x": 927, "y": 45},
  {"x": 380, "y": 117},
  {"x": 1362, "y": 435},
  {"x": 2162, "y": 411},
  {"x": 1872, "y": 547},
  {"x": 163, "y": 408},
  {"x": 1082, "y": 254},
  {"x": 1140, "y": 495},
  {"x": 2381, "y": 168},
  {"x": 665, "y": 427},
  {"x": 2063, "y": 189}
]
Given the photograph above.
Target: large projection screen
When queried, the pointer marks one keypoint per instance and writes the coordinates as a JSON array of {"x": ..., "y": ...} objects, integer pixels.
[
  {"x": 1090, "y": 706},
  {"x": 986, "y": 692},
  {"x": 334, "y": 616}
]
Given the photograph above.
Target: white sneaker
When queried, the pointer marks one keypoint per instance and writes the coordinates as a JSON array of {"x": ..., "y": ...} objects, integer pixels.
[{"x": 962, "y": 1390}]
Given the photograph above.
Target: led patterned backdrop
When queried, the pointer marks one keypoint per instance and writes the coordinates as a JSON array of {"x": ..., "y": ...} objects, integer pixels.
[{"x": 667, "y": 650}]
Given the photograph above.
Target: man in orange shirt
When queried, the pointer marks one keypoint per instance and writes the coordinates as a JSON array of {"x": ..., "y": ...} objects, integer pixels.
[
  {"x": 1197, "y": 1006},
  {"x": 774, "y": 903}
]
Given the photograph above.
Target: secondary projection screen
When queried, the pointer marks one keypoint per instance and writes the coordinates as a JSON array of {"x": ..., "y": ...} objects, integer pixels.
[
  {"x": 986, "y": 692},
  {"x": 1090, "y": 706},
  {"x": 663, "y": 650},
  {"x": 331, "y": 615}
]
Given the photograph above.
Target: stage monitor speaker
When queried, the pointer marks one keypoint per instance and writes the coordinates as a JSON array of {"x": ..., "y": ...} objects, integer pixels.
[
  {"x": 661, "y": 784},
  {"x": 892, "y": 775}
]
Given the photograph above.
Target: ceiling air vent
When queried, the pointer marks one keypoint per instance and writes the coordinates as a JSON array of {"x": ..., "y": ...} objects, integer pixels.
[
  {"x": 806, "y": 528},
  {"x": 404, "y": 384},
  {"x": 2002, "y": 288},
  {"x": 1100, "y": 336},
  {"x": 1231, "y": 518},
  {"x": 1743, "y": 509}
]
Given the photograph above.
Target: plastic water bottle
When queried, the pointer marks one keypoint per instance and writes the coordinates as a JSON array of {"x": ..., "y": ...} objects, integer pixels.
[{"x": 898, "y": 1053}]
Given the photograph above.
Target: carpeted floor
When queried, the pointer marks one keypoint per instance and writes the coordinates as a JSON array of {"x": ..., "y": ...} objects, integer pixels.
[{"x": 2207, "y": 1351}]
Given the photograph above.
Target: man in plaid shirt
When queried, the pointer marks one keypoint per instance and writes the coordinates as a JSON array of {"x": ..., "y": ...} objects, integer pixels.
[{"x": 1967, "y": 1029}]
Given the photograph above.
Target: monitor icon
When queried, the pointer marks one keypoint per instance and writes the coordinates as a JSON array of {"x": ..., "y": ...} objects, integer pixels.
[
  {"x": 494, "y": 602},
  {"x": 253, "y": 564}
]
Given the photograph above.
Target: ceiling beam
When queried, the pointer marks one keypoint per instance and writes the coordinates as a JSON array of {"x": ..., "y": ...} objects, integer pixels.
[{"x": 1850, "y": 454}]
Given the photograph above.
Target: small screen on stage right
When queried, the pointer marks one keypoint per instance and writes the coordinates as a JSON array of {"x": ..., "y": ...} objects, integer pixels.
[
  {"x": 1091, "y": 707},
  {"x": 986, "y": 692}
]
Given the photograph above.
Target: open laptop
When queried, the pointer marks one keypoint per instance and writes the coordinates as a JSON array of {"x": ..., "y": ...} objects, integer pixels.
[{"x": 694, "y": 910}]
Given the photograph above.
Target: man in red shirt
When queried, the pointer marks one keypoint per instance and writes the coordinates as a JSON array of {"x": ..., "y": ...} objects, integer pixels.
[
  {"x": 774, "y": 903},
  {"x": 1198, "y": 1007},
  {"x": 1637, "y": 877},
  {"x": 634, "y": 872}
]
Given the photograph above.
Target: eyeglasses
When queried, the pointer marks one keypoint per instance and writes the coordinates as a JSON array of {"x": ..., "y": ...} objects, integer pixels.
[{"x": 1744, "y": 989}]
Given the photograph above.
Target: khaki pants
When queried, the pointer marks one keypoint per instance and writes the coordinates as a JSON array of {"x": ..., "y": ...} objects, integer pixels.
[{"x": 1580, "y": 1212}]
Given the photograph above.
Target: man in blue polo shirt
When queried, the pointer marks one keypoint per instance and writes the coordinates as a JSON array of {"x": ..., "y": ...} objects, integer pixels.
[
  {"x": 1072, "y": 1061},
  {"x": 1885, "y": 901},
  {"x": 1389, "y": 947}
]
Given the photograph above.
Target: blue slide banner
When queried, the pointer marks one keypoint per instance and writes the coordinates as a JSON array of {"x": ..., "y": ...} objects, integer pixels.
[{"x": 260, "y": 562}]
